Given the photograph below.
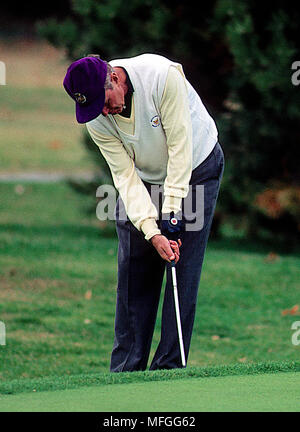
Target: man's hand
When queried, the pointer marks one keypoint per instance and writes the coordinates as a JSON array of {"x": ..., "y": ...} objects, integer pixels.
[{"x": 167, "y": 249}]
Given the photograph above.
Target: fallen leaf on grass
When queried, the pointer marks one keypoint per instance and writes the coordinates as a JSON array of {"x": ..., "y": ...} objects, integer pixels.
[
  {"x": 88, "y": 295},
  {"x": 19, "y": 189},
  {"x": 271, "y": 257},
  {"x": 215, "y": 337},
  {"x": 293, "y": 311},
  {"x": 55, "y": 145},
  {"x": 242, "y": 359},
  {"x": 12, "y": 272}
]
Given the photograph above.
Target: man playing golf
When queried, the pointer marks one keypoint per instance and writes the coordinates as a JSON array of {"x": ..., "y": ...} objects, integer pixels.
[{"x": 154, "y": 132}]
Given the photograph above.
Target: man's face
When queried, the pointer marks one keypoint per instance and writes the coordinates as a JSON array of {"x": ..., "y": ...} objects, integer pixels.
[{"x": 114, "y": 100}]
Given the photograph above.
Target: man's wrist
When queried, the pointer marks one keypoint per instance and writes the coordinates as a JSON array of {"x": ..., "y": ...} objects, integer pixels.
[
  {"x": 154, "y": 238},
  {"x": 149, "y": 228}
]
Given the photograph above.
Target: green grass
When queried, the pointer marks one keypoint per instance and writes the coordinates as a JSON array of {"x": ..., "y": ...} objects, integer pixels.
[
  {"x": 38, "y": 131},
  {"x": 58, "y": 275},
  {"x": 68, "y": 382},
  {"x": 268, "y": 392}
]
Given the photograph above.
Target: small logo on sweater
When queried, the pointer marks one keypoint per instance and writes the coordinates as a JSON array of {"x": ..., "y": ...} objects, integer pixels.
[
  {"x": 155, "y": 121},
  {"x": 80, "y": 98}
]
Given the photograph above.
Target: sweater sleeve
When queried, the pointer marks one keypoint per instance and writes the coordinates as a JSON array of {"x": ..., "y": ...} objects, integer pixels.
[
  {"x": 137, "y": 201},
  {"x": 176, "y": 121}
]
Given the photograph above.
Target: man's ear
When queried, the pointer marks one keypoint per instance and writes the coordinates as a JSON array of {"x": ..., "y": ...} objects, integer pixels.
[{"x": 114, "y": 77}]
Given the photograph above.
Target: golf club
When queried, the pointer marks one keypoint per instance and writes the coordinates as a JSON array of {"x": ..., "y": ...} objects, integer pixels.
[{"x": 174, "y": 279}]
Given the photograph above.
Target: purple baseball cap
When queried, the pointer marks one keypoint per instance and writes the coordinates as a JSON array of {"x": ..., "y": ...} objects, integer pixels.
[{"x": 84, "y": 82}]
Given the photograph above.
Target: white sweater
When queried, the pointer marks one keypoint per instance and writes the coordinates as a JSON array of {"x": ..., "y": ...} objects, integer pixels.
[{"x": 168, "y": 134}]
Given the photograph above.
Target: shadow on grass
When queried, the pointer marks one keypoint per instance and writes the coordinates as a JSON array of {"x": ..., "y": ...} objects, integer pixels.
[
  {"x": 61, "y": 230},
  {"x": 70, "y": 231},
  {"x": 234, "y": 244}
]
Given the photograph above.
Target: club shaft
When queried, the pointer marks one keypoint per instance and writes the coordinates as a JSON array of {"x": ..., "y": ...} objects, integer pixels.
[{"x": 178, "y": 316}]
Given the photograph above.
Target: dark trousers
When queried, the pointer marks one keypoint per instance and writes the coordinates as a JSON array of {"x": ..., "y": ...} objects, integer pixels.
[{"x": 140, "y": 277}]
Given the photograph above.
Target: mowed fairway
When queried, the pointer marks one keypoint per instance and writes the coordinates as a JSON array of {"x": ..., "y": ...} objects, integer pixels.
[
  {"x": 58, "y": 277},
  {"x": 38, "y": 129},
  {"x": 267, "y": 392}
]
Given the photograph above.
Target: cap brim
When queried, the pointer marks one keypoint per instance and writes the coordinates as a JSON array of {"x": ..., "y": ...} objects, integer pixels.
[{"x": 86, "y": 113}]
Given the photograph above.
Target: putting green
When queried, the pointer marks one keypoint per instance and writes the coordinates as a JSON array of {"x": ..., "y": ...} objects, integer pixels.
[{"x": 266, "y": 392}]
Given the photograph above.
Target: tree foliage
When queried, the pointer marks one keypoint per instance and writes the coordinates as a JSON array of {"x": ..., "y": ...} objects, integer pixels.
[{"x": 261, "y": 122}]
